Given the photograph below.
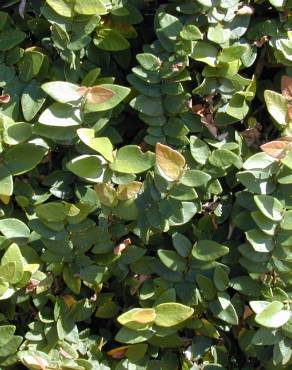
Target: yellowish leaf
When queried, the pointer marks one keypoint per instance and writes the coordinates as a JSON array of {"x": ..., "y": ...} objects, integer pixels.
[
  {"x": 170, "y": 161},
  {"x": 144, "y": 316}
]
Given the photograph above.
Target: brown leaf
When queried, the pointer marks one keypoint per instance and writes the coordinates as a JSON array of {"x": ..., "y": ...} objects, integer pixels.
[
  {"x": 96, "y": 94},
  {"x": 289, "y": 111},
  {"x": 36, "y": 362},
  {"x": 276, "y": 149},
  {"x": 286, "y": 87},
  {"x": 245, "y": 10},
  {"x": 170, "y": 161},
  {"x": 251, "y": 136},
  {"x": 118, "y": 353},
  {"x": 5, "y": 98},
  {"x": 32, "y": 285}
]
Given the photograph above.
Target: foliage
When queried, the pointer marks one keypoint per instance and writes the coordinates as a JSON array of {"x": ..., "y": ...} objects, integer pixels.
[{"x": 145, "y": 184}]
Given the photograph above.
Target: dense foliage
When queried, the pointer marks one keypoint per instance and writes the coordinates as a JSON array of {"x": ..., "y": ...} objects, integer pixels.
[{"x": 145, "y": 184}]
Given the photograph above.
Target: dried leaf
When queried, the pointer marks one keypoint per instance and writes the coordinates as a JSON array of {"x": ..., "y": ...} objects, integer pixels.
[
  {"x": 4, "y": 99},
  {"x": 170, "y": 161},
  {"x": 245, "y": 10},
  {"x": 276, "y": 149},
  {"x": 118, "y": 353},
  {"x": 96, "y": 94},
  {"x": 286, "y": 87}
]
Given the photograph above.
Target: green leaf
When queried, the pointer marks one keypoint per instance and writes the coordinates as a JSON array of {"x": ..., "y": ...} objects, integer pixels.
[
  {"x": 171, "y": 314},
  {"x": 277, "y": 106},
  {"x": 260, "y": 241},
  {"x": 6, "y": 182},
  {"x": 6, "y": 334},
  {"x": 182, "y": 244},
  {"x": 269, "y": 206},
  {"x": 59, "y": 114},
  {"x": 13, "y": 228},
  {"x": 101, "y": 144},
  {"x": 205, "y": 52},
  {"x": 13, "y": 255},
  {"x": 237, "y": 107},
  {"x": 90, "y": 7},
  {"x": 265, "y": 224},
  {"x": 149, "y": 61},
  {"x": 10, "y": 37},
  {"x": 87, "y": 166},
  {"x": 208, "y": 250},
  {"x": 172, "y": 260},
  {"x": 199, "y": 150},
  {"x": 62, "y": 92},
  {"x": 23, "y": 157},
  {"x": 231, "y": 53},
  {"x": 286, "y": 223},
  {"x": 220, "y": 278},
  {"x": 32, "y": 100},
  {"x": 191, "y": 32},
  {"x": 206, "y": 286},
  {"x": 62, "y": 7},
  {"x": 273, "y": 315},
  {"x": 110, "y": 40},
  {"x": 147, "y": 105},
  {"x": 195, "y": 178},
  {"x": 130, "y": 159}
]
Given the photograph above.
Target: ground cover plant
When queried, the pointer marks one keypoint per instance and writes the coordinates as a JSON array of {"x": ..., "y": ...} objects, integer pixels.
[{"x": 145, "y": 184}]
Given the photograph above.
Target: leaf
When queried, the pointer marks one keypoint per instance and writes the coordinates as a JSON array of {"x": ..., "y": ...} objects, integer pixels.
[
  {"x": 6, "y": 334},
  {"x": 286, "y": 223},
  {"x": 275, "y": 149},
  {"x": 101, "y": 145},
  {"x": 23, "y": 157},
  {"x": 149, "y": 61},
  {"x": 6, "y": 182},
  {"x": 199, "y": 150},
  {"x": 144, "y": 316},
  {"x": 148, "y": 105},
  {"x": 277, "y": 106},
  {"x": 87, "y": 166},
  {"x": 170, "y": 161},
  {"x": 95, "y": 94},
  {"x": 62, "y": 92},
  {"x": 191, "y": 32},
  {"x": 110, "y": 40},
  {"x": 13, "y": 255},
  {"x": 62, "y": 115},
  {"x": 62, "y": 7},
  {"x": 205, "y": 52},
  {"x": 127, "y": 319},
  {"x": 10, "y": 37},
  {"x": 13, "y": 228},
  {"x": 273, "y": 315},
  {"x": 32, "y": 100},
  {"x": 130, "y": 159},
  {"x": 104, "y": 97},
  {"x": 171, "y": 314},
  {"x": 208, "y": 250},
  {"x": 260, "y": 241},
  {"x": 220, "y": 278},
  {"x": 90, "y": 7},
  {"x": 35, "y": 362},
  {"x": 195, "y": 178},
  {"x": 182, "y": 244},
  {"x": 269, "y": 206},
  {"x": 172, "y": 260},
  {"x": 237, "y": 107},
  {"x": 286, "y": 87}
]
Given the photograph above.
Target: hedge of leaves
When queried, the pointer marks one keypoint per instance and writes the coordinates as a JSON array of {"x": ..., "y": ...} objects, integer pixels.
[{"x": 146, "y": 184}]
